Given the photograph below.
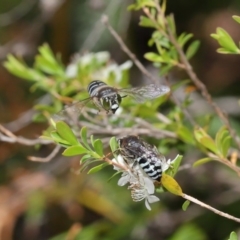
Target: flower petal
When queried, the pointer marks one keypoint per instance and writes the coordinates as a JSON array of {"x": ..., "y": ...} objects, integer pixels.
[
  {"x": 152, "y": 199},
  {"x": 147, "y": 205},
  {"x": 149, "y": 185},
  {"x": 124, "y": 180}
]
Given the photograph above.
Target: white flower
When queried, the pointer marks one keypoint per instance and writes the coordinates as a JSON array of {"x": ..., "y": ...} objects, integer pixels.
[{"x": 141, "y": 186}]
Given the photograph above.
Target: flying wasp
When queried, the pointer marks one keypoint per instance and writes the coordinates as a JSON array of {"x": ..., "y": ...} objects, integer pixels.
[
  {"x": 108, "y": 99},
  {"x": 135, "y": 150}
]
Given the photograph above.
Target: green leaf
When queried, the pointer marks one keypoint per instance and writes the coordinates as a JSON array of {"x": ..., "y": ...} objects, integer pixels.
[
  {"x": 74, "y": 150},
  {"x": 146, "y": 22},
  {"x": 192, "y": 49},
  {"x": 85, "y": 158},
  {"x": 154, "y": 57},
  {"x": 171, "y": 185},
  {"x": 66, "y": 133},
  {"x": 185, "y": 205},
  {"x": 203, "y": 138},
  {"x": 83, "y": 134},
  {"x": 185, "y": 134},
  {"x": 98, "y": 147},
  {"x": 236, "y": 18},
  {"x": 57, "y": 138},
  {"x": 225, "y": 145},
  {"x": 172, "y": 170},
  {"x": 201, "y": 161},
  {"x": 233, "y": 236},
  {"x": 47, "y": 62},
  {"x": 92, "y": 140},
  {"x": 179, "y": 84},
  {"x": 113, "y": 144},
  {"x": 183, "y": 38},
  {"x": 221, "y": 135},
  {"x": 225, "y": 41},
  {"x": 97, "y": 168},
  {"x": 115, "y": 174}
]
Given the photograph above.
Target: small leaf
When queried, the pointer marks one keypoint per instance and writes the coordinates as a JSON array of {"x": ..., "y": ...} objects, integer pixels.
[
  {"x": 201, "y": 161},
  {"x": 183, "y": 38},
  {"x": 179, "y": 84},
  {"x": 146, "y": 22},
  {"x": 236, "y": 18},
  {"x": 92, "y": 140},
  {"x": 57, "y": 138},
  {"x": 233, "y": 236},
  {"x": 97, "y": 168},
  {"x": 66, "y": 133},
  {"x": 192, "y": 49},
  {"x": 154, "y": 57},
  {"x": 74, "y": 150},
  {"x": 225, "y": 145},
  {"x": 98, "y": 147},
  {"x": 203, "y": 138},
  {"x": 172, "y": 170},
  {"x": 85, "y": 158},
  {"x": 185, "y": 134},
  {"x": 171, "y": 185},
  {"x": 185, "y": 205},
  {"x": 113, "y": 144},
  {"x": 115, "y": 174},
  {"x": 83, "y": 134}
]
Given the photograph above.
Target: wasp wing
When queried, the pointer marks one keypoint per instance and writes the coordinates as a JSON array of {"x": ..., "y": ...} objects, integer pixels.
[
  {"x": 71, "y": 112},
  {"x": 144, "y": 93}
]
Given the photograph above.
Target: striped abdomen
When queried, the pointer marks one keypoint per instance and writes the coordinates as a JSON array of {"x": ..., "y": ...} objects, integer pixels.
[
  {"x": 152, "y": 169},
  {"x": 93, "y": 87}
]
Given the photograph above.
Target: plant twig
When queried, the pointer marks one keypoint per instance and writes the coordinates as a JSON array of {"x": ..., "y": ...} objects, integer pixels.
[
  {"x": 7, "y": 136},
  {"x": 204, "y": 205},
  {"x": 48, "y": 158},
  {"x": 126, "y": 49}
]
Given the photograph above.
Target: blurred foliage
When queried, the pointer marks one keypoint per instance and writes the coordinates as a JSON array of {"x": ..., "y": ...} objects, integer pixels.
[{"x": 112, "y": 213}]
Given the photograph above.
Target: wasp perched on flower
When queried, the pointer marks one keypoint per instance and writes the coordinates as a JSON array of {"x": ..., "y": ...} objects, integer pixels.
[
  {"x": 108, "y": 99},
  {"x": 134, "y": 149}
]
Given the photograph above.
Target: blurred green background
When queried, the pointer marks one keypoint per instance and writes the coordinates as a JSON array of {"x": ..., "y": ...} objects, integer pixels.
[{"x": 41, "y": 201}]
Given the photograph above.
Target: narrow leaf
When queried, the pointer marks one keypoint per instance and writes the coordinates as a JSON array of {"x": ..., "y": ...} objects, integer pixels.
[
  {"x": 174, "y": 165},
  {"x": 185, "y": 205},
  {"x": 236, "y": 18},
  {"x": 74, "y": 150},
  {"x": 97, "y": 168},
  {"x": 98, "y": 147},
  {"x": 113, "y": 144},
  {"x": 225, "y": 145},
  {"x": 57, "y": 138},
  {"x": 115, "y": 174},
  {"x": 192, "y": 49},
  {"x": 171, "y": 185},
  {"x": 66, "y": 133},
  {"x": 233, "y": 236},
  {"x": 85, "y": 158},
  {"x": 201, "y": 161},
  {"x": 83, "y": 134}
]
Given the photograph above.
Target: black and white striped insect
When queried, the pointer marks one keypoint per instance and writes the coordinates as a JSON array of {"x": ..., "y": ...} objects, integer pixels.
[
  {"x": 108, "y": 99},
  {"x": 135, "y": 150}
]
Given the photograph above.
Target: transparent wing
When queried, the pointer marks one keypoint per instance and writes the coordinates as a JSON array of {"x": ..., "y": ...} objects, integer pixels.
[
  {"x": 71, "y": 112},
  {"x": 155, "y": 151},
  {"x": 148, "y": 92}
]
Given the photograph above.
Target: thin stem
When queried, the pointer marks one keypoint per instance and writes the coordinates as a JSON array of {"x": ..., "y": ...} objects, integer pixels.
[
  {"x": 48, "y": 158},
  {"x": 204, "y": 205},
  {"x": 126, "y": 50}
]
